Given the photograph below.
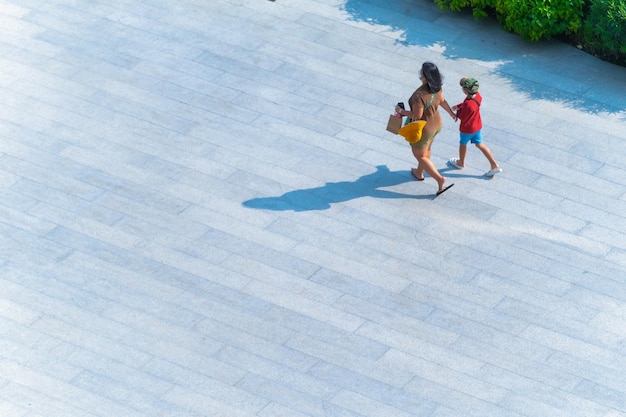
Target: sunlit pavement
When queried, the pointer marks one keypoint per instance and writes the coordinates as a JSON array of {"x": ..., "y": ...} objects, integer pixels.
[{"x": 202, "y": 214}]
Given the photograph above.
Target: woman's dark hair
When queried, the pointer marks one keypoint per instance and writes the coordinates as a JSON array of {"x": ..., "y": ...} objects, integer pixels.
[{"x": 433, "y": 76}]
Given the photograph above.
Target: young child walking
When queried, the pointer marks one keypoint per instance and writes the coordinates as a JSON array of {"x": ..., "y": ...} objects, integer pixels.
[{"x": 471, "y": 126}]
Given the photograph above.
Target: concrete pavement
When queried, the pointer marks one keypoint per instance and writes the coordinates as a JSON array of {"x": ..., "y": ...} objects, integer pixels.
[{"x": 202, "y": 214}]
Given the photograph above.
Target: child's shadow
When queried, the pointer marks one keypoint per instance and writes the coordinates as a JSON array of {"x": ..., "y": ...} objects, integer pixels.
[
  {"x": 321, "y": 198},
  {"x": 451, "y": 172}
]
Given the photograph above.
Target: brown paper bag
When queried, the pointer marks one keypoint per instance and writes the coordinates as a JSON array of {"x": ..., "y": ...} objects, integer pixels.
[{"x": 394, "y": 124}]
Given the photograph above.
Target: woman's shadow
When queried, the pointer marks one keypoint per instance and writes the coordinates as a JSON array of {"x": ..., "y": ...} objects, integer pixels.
[{"x": 321, "y": 198}]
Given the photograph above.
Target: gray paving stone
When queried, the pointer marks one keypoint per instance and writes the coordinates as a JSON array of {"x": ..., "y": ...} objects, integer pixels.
[
  {"x": 574, "y": 346},
  {"x": 198, "y": 404},
  {"x": 282, "y": 354},
  {"x": 366, "y": 406},
  {"x": 455, "y": 400},
  {"x": 37, "y": 403},
  {"x": 197, "y": 380},
  {"x": 363, "y": 385}
]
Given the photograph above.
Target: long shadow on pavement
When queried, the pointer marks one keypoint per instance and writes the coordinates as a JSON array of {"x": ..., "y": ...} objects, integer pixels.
[{"x": 321, "y": 198}]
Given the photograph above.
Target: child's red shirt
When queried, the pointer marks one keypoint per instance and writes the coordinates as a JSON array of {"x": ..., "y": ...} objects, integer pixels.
[{"x": 469, "y": 114}]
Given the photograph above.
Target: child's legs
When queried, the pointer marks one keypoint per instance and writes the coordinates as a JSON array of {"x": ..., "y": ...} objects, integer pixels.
[
  {"x": 487, "y": 152},
  {"x": 477, "y": 139},
  {"x": 462, "y": 154},
  {"x": 465, "y": 139}
]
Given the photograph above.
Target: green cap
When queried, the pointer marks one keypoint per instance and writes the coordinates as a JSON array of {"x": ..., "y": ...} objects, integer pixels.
[{"x": 469, "y": 85}]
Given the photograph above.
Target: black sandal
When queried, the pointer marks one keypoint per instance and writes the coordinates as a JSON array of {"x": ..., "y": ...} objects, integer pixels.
[{"x": 444, "y": 190}]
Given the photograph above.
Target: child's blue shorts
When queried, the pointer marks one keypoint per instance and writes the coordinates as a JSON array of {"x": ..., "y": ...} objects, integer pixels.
[{"x": 476, "y": 138}]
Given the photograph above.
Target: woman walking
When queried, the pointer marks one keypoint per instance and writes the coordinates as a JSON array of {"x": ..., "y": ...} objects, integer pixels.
[{"x": 424, "y": 105}]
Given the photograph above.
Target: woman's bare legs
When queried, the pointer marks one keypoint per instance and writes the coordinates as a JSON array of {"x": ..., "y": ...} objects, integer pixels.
[
  {"x": 419, "y": 172},
  {"x": 425, "y": 164}
]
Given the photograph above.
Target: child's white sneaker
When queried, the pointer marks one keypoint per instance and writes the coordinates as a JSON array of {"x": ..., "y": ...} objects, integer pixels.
[
  {"x": 493, "y": 172},
  {"x": 455, "y": 163}
]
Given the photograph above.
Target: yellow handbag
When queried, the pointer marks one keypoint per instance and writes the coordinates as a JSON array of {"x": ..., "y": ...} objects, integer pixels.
[{"x": 412, "y": 131}]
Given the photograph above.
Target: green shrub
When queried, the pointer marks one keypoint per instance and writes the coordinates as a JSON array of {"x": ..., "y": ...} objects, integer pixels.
[
  {"x": 540, "y": 19},
  {"x": 604, "y": 30},
  {"x": 532, "y": 19},
  {"x": 479, "y": 7}
]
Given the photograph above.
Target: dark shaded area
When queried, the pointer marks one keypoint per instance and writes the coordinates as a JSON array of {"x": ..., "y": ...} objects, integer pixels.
[
  {"x": 526, "y": 68},
  {"x": 321, "y": 198}
]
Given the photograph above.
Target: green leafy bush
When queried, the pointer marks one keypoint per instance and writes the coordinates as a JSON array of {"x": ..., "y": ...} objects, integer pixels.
[
  {"x": 532, "y": 19},
  {"x": 604, "y": 30},
  {"x": 540, "y": 19},
  {"x": 479, "y": 7}
]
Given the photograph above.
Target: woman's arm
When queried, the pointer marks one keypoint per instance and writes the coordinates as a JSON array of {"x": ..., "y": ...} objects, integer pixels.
[
  {"x": 415, "y": 113},
  {"x": 447, "y": 108}
]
